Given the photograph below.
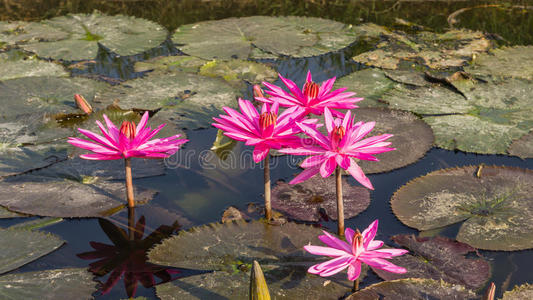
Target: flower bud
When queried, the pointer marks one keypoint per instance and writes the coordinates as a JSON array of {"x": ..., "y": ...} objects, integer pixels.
[
  {"x": 128, "y": 129},
  {"x": 83, "y": 104}
]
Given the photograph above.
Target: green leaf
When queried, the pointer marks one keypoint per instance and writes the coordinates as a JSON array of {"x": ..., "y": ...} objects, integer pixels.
[
  {"x": 28, "y": 67},
  {"x": 370, "y": 84},
  {"x": 492, "y": 203},
  {"x": 504, "y": 62}
]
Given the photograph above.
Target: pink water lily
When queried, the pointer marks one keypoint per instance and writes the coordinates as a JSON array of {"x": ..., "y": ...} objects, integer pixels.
[
  {"x": 359, "y": 248},
  {"x": 265, "y": 130},
  {"x": 341, "y": 147},
  {"x": 312, "y": 97},
  {"x": 128, "y": 141}
]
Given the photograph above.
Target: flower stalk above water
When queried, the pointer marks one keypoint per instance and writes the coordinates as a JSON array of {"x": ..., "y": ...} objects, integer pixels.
[{"x": 127, "y": 142}]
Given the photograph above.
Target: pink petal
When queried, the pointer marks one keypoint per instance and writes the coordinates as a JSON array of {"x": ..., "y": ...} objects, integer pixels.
[
  {"x": 327, "y": 251},
  {"x": 142, "y": 123},
  {"x": 260, "y": 152},
  {"x": 354, "y": 270},
  {"x": 327, "y": 167},
  {"x": 334, "y": 242},
  {"x": 370, "y": 233},
  {"x": 358, "y": 174},
  {"x": 305, "y": 174}
]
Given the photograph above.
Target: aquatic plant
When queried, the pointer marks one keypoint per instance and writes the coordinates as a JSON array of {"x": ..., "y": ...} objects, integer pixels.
[
  {"x": 312, "y": 97},
  {"x": 127, "y": 142},
  {"x": 339, "y": 149},
  {"x": 264, "y": 131},
  {"x": 359, "y": 248}
]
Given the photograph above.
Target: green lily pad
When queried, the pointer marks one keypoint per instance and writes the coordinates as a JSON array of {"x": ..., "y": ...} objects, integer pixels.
[
  {"x": 19, "y": 32},
  {"x": 438, "y": 258},
  {"x": 24, "y": 96},
  {"x": 236, "y": 71},
  {"x": 414, "y": 289},
  {"x": 477, "y": 117},
  {"x": 434, "y": 50},
  {"x": 229, "y": 249},
  {"x": 65, "y": 192},
  {"x": 18, "y": 160},
  {"x": 76, "y": 36},
  {"x": 522, "y": 147},
  {"x": 493, "y": 204},
  {"x": 370, "y": 84},
  {"x": 20, "y": 247},
  {"x": 29, "y": 67},
  {"x": 504, "y": 62},
  {"x": 522, "y": 292},
  {"x": 165, "y": 64},
  {"x": 6, "y": 214},
  {"x": 185, "y": 100},
  {"x": 48, "y": 284},
  {"x": 412, "y": 138},
  {"x": 305, "y": 201},
  {"x": 410, "y": 77},
  {"x": 263, "y": 37}
]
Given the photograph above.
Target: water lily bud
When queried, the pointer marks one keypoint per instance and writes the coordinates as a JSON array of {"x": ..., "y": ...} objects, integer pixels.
[
  {"x": 128, "y": 129},
  {"x": 258, "y": 92},
  {"x": 83, "y": 104}
]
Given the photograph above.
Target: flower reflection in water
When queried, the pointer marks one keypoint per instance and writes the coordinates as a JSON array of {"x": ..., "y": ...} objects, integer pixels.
[{"x": 127, "y": 257}]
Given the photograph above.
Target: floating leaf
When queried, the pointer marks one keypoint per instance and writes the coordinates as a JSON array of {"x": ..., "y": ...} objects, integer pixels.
[
  {"x": 166, "y": 64},
  {"x": 48, "y": 284},
  {"x": 316, "y": 197},
  {"x": 20, "y": 246},
  {"x": 413, "y": 288},
  {"x": 493, "y": 203},
  {"x": 522, "y": 147},
  {"x": 263, "y": 37},
  {"x": 65, "y": 192},
  {"x": 236, "y": 71},
  {"x": 438, "y": 258},
  {"x": 29, "y": 67},
  {"x": 522, "y": 292},
  {"x": 410, "y": 77},
  {"x": 76, "y": 36},
  {"x": 504, "y": 62},
  {"x": 434, "y": 50},
  {"x": 186, "y": 100},
  {"x": 19, "y": 160},
  {"x": 368, "y": 83},
  {"x": 230, "y": 249},
  {"x": 6, "y": 214},
  {"x": 478, "y": 117}
]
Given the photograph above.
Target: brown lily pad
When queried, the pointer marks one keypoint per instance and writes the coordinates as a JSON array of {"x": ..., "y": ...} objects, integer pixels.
[
  {"x": 438, "y": 258},
  {"x": 523, "y": 147},
  {"x": 522, "y": 292},
  {"x": 494, "y": 205},
  {"x": 306, "y": 201},
  {"x": 413, "y": 289}
]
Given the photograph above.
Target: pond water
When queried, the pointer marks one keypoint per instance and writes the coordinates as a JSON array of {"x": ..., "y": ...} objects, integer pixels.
[{"x": 197, "y": 186}]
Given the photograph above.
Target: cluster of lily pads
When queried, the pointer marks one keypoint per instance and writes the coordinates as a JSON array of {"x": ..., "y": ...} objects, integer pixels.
[{"x": 454, "y": 90}]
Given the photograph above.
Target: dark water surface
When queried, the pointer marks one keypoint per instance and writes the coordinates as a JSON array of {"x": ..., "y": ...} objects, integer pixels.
[{"x": 201, "y": 193}]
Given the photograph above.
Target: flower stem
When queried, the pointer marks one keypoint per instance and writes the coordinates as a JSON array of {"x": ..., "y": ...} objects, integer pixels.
[
  {"x": 340, "y": 204},
  {"x": 355, "y": 285},
  {"x": 268, "y": 209},
  {"x": 129, "y": 183}
]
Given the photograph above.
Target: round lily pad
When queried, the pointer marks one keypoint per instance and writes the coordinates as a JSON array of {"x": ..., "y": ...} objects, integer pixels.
[
  {"x": 413, "y": 289},
  {"x": 76, "y": 36},
  {"x": 438, "y": 258},
  {"x": 17, "y": 160},
  {"x": 522, "y": 292},
  {"x": 65, "y": 192},
  {"x": 311, "y": 199},
  {"x": 434, "y": 50},
  {"x": 504, "y": 62},
  {"x": 479, "y": 117},
  {"x": 24, "y": 96},
  {"x": 236, "y": 71},
  {"x": 522, "y": 147},
  {"x": 28, "y": 67},
  {"x": 185, "y": 100},
  {"x": 20, "y": 247},
  {"x": 165, "y": 64},
  {"x": 370, "y": 84},
  {"x": 412, "y": 138},
  {"x": 263, "y": 37},
  {"x": 229, "y": 249},
  {"x": 48, "y": 284},
  {"x": 493, "y": 203}
]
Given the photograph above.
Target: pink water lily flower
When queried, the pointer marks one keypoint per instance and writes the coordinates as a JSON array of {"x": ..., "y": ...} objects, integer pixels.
[
  {"x": 341, "y": 147},
  {"x": 128, "y": 141},
  {"x": 312, "y": 97},
  {"x": 265, "y": 130},
  {"x": 359, "y": 248}
]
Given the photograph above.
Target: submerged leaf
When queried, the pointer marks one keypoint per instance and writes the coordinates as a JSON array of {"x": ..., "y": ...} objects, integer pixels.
[
  {"x": 493, "y": 203},
  {"x": 263, "y": 37},
  {"x": 76, "y": 36},
  {"x": 21, "y": 246},
  {"x": 413, "y": 289},
  {"x": 438, "y": 258},
  {"x": 48, "y": 284},
  {"x": 230, "y": 249},
  {"x": 316, "y": 198}
]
